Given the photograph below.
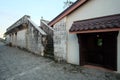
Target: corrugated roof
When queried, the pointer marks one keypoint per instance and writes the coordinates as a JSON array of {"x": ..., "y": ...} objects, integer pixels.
[{"x": 101, "y": 23}]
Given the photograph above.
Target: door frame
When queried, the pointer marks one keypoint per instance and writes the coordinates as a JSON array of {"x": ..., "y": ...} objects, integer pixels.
[{"x": 81, "y": 41}]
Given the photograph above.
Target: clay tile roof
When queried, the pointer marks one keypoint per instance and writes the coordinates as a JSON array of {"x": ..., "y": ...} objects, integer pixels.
[{"x": 101, "y": 23}]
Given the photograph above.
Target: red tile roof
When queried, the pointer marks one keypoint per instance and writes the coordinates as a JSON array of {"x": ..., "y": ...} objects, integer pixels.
[{"x": 106, "y": 23}]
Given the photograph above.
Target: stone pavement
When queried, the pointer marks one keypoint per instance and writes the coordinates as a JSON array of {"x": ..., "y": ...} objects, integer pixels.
[{"x": 16, "y": 64}]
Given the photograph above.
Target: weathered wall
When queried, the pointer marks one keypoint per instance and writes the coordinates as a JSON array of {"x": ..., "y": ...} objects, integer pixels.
[
  {"x": 14, "y": 40},
  {"x": 26, "y": 34},
  {"x": 27, "y": 38},
  {"x": 60, "y": 40},
  {"x": 118, "y": 53},
  {"x": 21, "y": 38},
  {"x": 34, "y": 40},
  {"x": 48, "y": 44},
  {"x": 91, "y": 9},
  {"x": 8, "y": 39}
]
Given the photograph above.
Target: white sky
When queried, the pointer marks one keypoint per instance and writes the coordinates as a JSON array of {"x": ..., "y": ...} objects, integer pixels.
[{"x": 12, "y": 10}]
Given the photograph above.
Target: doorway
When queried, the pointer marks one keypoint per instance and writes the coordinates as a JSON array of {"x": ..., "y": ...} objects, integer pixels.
[{"x": 99, "y": 49}]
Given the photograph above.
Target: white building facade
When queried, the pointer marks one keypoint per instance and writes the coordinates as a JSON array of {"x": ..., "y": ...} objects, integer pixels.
[{"x": 66, "y": 42}]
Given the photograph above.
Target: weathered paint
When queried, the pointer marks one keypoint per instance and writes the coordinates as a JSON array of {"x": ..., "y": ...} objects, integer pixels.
[
  {"x": 25, "y": 34},
  {"x": 60, "y": 40},
  {"x": 48, "y": 41},
  {"x": 8, "y": 39},
  {"x": 34, "y": 40},
  {"x": 21, "y": 42}
]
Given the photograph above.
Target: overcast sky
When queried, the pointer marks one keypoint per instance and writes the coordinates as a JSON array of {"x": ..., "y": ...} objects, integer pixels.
[{"x": 12, "y": 10}]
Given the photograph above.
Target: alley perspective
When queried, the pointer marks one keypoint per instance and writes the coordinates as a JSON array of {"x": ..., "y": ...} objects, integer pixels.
[
  {"x": 17, "y": 64},
  {"x": 77, "y": 35},
  {"x": 80, "y": 43}
]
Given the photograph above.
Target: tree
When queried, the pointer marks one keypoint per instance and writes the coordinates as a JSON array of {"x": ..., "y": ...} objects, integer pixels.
[{"x": 67, "y": 3}]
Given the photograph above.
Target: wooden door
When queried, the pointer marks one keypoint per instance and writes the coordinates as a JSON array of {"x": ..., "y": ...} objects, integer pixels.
[{"x": 99, "y": 49}]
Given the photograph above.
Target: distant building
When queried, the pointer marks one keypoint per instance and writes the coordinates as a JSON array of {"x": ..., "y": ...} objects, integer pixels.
[
  {"x": 24, "y": 33},
  {"x": 88, "y": 33}
]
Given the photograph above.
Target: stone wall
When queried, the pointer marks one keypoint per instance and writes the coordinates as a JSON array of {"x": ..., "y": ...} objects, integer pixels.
[
  {"x": 34, "y": 40},
  {"x": 21, "y": 38},
  {"x": 60, "y": 39},
  {"x": 7, "y": 40},
  {"x": 27, "y": 35},
  {"x": 29, "y": 38},
  {"x": 49, "y": 45}
]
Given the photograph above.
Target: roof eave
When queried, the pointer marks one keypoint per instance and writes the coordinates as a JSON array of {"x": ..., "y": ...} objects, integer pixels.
[
  {"x": 96, "y": 31},
  {"x": 67, "y": 11}
]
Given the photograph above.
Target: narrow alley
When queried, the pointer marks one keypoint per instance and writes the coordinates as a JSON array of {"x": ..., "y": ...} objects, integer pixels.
[{"x": 16, "y": 64}]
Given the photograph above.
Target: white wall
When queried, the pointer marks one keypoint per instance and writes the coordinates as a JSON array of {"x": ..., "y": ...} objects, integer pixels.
[
  {"x": 8, "y": 39},
  {"x": 13, "y": 40},
  {"x": 96, "y": 8},
  {"x": 34, "y": 43},
  {"x": 21, "y": 38},
  {"x": 72, "y": 49},
  {"x": 91, "y": 9},
  {"x": 118, "y": 53}
]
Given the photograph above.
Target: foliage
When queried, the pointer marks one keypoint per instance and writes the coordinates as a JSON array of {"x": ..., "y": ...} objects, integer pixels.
[{"x": 68, "y": 3}]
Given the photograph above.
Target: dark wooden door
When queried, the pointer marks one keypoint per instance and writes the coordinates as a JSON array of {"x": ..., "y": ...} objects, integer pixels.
[
  {"x": 99, "y": 49},
  {"x": 110, "y": 50}
]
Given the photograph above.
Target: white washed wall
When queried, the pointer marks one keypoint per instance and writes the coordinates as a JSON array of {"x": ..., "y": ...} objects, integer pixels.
[
  {"x": 21, "y": 38},
  {"x": 14, "y": 39},
  {"x": 95, "y": 8},
  {"x": 28, "y": 39},
  {"x": 60, "y": 40},
  {"x": 91, "y": 9},
  {"x": 34, "y": 44},
  {"x": 34, "y": 41},
  {"x": 8, "y": 39},
  {"x": 118, "y": 53}
]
